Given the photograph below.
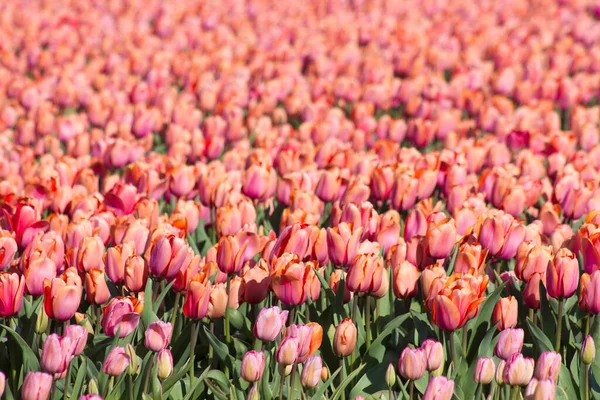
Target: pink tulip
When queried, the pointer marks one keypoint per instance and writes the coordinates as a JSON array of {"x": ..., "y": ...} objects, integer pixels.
[{"x": 269, "y": 323}]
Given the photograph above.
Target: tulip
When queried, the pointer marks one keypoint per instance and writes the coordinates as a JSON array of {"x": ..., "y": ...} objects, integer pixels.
[
  {"x": 96, "y": 290},
  {"x": 260, "y": 182},
  {"x": 588, "y": 350},
  {"x": 440, "y": 238},
  {"x": 405, "y": 280},
  {"x": 540, "y": 390},
  {"x": 548, "y": 366},
  {"x": 484, "y": 370},
  {"x": 287, "y": 352},
  {"x": 136, "y": 273},
  {"x": 456, "y": 302},
  {"x": 291, "y": 279},
  {"x": 253, "y": 364},
  {"x": 167, "y": 255},
  {"x": 390, "y": 376},
  {"x": 505, "y": 313},
  {"x": 8, "y": 249},
  {"x": 90, "y": 397},
  {"x": 2, "y": 383},
  {"x": 218, "y": 301},
  {"x": 501, "y": 234},
  {"x": 197, "y": 298},
  {"x": 439, "y": 388},
  {"x": 114, "y": 260},
  {"x": 164, "y": 359},
  {"x": 412, "y": 363},
  {"x": 57, "y": 353},
  {"x": 589, "y": 297},
  {"x": 120, "y": 315},
  {"x": 12, "y": 287},
  {"x": 334, "y": 284},
  {"x": 234, "y": 251},
  {"x": 562, "y": 274},
  {"x": 158, "y": 336},
  {"x": 470, "y": 258},
  {"x": 134, "y": 368},
  {"x": 36, "y": 272},
  {"x": 78, "y": 335},
  {"x": 116, "y": 361},
  {"x": 518, "y": 370},
  {"x": 36, "y": 386},
  {"x": 62, "y": 295},
  {"x": 342, "y": 243},
  {"x": 434, "y": 354},
  {"x": 253, "y": 394},
  {"x": 311, "y": 372},
  {"x": 366, "y": 274},
  {"x": 344, "y": 340},
  {"x": 309, "y": 337},
  {"x": 531, "y": 293},
  {"x": 500, "y": 372},
  {"x": 256, "y": 282},
  {"x": 510, "y": 341},
  {"x": 269, "y": 323},
  {"x": 89, "y": 254}
]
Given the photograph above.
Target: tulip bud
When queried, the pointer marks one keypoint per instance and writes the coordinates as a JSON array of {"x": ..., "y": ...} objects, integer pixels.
[
  {"x": 253, "y": 365},
  {"x": 254, "y": 394},
  {"x": 324, "y": 374},
  {"x": 116, "y": 361},
  {"x": 510, "y": 341},
  {"x": 500, "y": 372},
  {"x": 269, "y": 323},
  {"x": 505, "y": 313},
  {"x": 484, "y": 370},
  {"x": 434, "y": 354},
  {"x": 134, "y": 367},
  {"x": 390, "y": 376},
  {"x": 37, "y": 385},
  {"x": 287, "y": 351},
  {"x": 165, "y": 363},
  {"x": 518, "y": 370},
  {"x": 548, "y": 366},
  {"x": 79, "y": 336},
  {"x": 41, "y": 324},
  {"x": 588, "y": 350},
  {"x": 90, "y": 397},
  {"x": 311, "y": 372},
  {"x": 284, "y": 370},
  {"x": 158, "y": 335},
  {"x": 83, "y": 320},
  {"x": 93, "y": 387},
  {"x": 439, "y": 388},
  {"x": 412, "y": 363},
  {"x": 344, "y": 340}
]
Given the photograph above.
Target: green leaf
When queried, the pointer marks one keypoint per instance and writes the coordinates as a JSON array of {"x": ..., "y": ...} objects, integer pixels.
[
  {"x": 173, "y": 379},
  {"x": 323, "y": 387},
  {"x": 542, "y": 341},
  {"x": 346, "y": 382},
  {"x": 377, "y": 350},
  {"x": 465, "y": 381},
  {"x": 30, "y": 361},
  {"x": 325, "y": 286},
  {"x": 236, "y": 318},
  {"x": 566, "y": 383},
  {"x": 148, "y": 315},
  {"x": 220, "y": 348},
  {"x": 484, "y": 318},
  {"x": 81, "y": 373}
]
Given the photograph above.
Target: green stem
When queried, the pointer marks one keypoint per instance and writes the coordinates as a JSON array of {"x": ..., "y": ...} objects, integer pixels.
[
  {"x": 377, "y": 315},
  {"x": 98, "y": 319},
  {"x": 175, "y": 313},
  {"x": 227, "y": 326},
  {"x": 148, "y": 373},
  {"x": 210, "y": 348},
  {"x": 586, "y": 382},
  {"x": 465, "y": 333},
  {"x": 130, "y": 386},
  {"x": 193, "y": 338},
  {"x": 368, "y": 322},
  {"x": 559, "y": 324},
  {"x": 343, "y": 376},
  {"x": 281, "y": 385},
  {"x": 453, "y": 350},
  {"x": 390, "y": 394},
  {"x": 478, "y": 392},
  {"x": 107, "y": 387},
  {"x": 354, "y": 314},
  {"x": 67, "y": 382},
  {"x": 531, "y": 313},
  {"x": 515, "y": 393},
  {"x": 411, "y": 390},
  {"x": 587, "y": 325},
  {"x": 292, "y": 383}
]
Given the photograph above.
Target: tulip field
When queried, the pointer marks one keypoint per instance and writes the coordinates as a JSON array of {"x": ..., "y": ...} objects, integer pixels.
[{"x": 300, "y": 199}]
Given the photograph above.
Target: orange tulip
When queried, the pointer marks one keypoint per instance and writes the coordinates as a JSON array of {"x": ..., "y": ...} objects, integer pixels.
[
  {"x": 62, "y": 295},
  {"x": 197, "y": 298},
  {"x": 505, "y": 313},
  {"x": 291, "y": 279},
  {"x": 12, "y": 287},
  {"x": 96, "y": 290},
  {"x": 366, "y": 274}
]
